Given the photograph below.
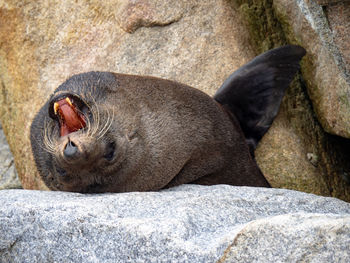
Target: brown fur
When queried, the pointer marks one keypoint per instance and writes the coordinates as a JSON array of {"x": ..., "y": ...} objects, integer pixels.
[
  {"x": 166, "y": 134},
  {"x": 145, "y": 133}
]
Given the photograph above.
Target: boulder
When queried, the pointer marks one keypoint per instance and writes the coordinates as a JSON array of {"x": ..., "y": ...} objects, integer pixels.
[
  {"x": 292, "y": 238},
  {"x": 327, "y": 2},
  {"x": 189, "y": 223},
  {"x": 326, "y": 67},
  {"x": 8, "y": 174},
  {"x": 298, "y": 152},
  {"x": 339, "y": 22},
  {"x": 42, "y": 43},
  {"x": 198, "y": 43}
]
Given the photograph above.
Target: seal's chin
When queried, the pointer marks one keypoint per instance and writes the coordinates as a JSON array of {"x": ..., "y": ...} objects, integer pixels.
[{"x": 67, "y": 110}]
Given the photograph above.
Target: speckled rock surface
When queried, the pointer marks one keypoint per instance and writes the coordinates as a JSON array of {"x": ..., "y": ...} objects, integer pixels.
[
  {"x": 292, "y": 238},
  {"x": 43, "y": 43},
  {"x": 297, "y": 153},
  {"x": 8, "y": 174},
  {"x": 284, "y": 159},
  {"x": 327, "y": 2},
  {"x": 339, "y": 22},
  {"x": 324, "y": 68},
  {"x": 197, "y": 43},
  {"x": 189, "y": 223}
]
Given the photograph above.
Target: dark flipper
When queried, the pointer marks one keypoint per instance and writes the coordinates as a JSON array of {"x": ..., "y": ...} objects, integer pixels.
[{"x": 254, "y": 92}]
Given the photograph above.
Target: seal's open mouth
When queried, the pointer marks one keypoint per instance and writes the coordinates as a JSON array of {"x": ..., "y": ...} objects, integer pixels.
[{"x": 67, "y": 109}]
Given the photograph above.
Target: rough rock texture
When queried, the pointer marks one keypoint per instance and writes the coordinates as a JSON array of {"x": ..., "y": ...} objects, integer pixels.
[
  {"x": 326, "y": 73},
  {"x": 296, "y": 153},
  {"x": 195, "y": 42},
  {"x": 339, "y": 22},
  {"x": 42, "y": 43},
  {"x": 284, "y": 159},
  {"x": 327, "y": 2},
  {"x": 183, "y": 224},
  {"x": 292, "y": 238},
  {"x": 328, "y": 80},
  {"x": 8, "y": 174}
]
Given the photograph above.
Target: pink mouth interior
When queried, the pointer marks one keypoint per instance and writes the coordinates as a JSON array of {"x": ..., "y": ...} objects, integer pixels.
[{"x": 70, "y": 118}]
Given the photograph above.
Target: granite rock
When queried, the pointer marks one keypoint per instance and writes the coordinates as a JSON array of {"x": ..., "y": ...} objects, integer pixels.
[
  {"x": 8, "y": 174},
  {"x": 297, "y": 153},
  {"x": 322, "y": 31},
  {"x": 339, "y": 22},
  {"x": 325, "y": 66},
  {"x": 42, "y": 43},
  {"x": 328, "y": 2},
  {"x": 189, "y": 223},
  {"x": 198, "y": 43},
  {"x": 292, "y": 238}
]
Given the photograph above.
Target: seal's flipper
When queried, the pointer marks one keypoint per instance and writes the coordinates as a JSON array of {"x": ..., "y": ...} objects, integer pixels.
[{"x": 254, "y": 92}]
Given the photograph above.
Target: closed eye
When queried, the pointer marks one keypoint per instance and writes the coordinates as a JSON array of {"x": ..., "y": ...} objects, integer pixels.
[{"x": 110, "y": 151}]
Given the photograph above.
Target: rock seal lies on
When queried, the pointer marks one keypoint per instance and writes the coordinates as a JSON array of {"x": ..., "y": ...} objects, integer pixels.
[{"x": 109, "y": 132}]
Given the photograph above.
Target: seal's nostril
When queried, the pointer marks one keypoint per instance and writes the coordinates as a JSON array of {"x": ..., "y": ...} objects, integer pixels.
[{"x": 70, "y": 149}]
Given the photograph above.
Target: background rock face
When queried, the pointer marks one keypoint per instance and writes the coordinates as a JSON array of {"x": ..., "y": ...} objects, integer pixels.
[
  {"x": 184, "y": 224},
  {"x": 198, "y": 43},
  {"x": 43, "y": 43},
  {"x": 296, "y": 152},
  {"x": 339, "y": 22},
  {"x": 8, "y": 175},
  {"x": 328, "y": 77}
]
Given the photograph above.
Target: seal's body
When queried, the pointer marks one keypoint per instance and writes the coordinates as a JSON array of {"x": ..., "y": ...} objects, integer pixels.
[{"x": 107, "y": 132}]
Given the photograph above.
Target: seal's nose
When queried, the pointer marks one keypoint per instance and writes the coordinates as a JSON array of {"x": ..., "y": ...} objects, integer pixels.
[{"x": 70, "y": 149}]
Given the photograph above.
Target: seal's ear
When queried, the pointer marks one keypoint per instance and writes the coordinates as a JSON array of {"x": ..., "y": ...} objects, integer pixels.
[{"x": 254, "y": 92}]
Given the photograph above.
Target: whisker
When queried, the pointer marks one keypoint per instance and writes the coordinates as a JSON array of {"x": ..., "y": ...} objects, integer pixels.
[
  {"x": 100, "y": 122},
  {"x": 101, "y": 131},
  {"x": 95, "y": 116},
  {"x": 92, "y": 125},
  {"x": 48, "y": 141},
  {"x": 108, "y": 124}
]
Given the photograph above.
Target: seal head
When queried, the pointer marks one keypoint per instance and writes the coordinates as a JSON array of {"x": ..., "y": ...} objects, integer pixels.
[{"x": 77, "y": 139}]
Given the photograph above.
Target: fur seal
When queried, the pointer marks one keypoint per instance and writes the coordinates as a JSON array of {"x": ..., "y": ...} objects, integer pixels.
[{"x": 108, "y": 132}]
